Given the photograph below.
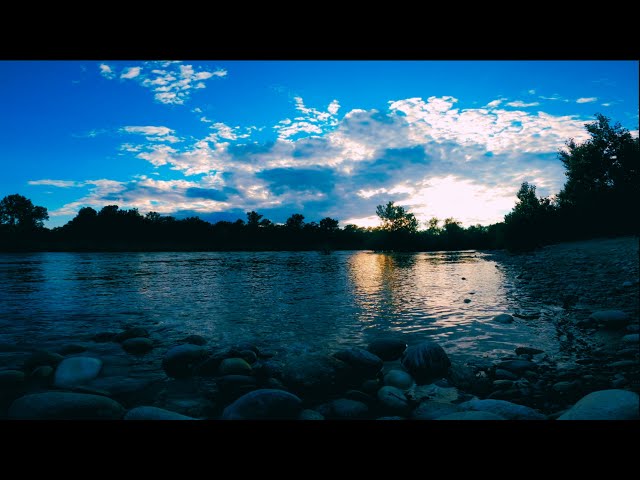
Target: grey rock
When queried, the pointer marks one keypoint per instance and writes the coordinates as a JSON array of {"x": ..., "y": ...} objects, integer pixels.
[
  {"x": 179, "y": 362},
  {"x": 503, "y": 318},
  {"x": 399, "y": 379},
  {"x": 65, "y": 406},
  {"x": 430, "y": 410},
  {"x": 234, "y": 366},
  {"x": 264, "y": 404},
  {"x": 314, "y": 376},
  {"x": 195, "y": 340},
  {"x": 154, "y": 413},
  {"x": 138, "y": 345},
  {"x": 502, "y": 374},
  {"x": 393, "y": 399},
  {"x": 472, "y": 415},
  {"x": 11, "y": 379},
  {"x": 426, "y": 361},
  {"x": 610, "y": 319},
  {"x": 387, "y": 349},
  {"x": 360, "y": 359},
  {"x": 508, "y": 410},
  {"x": 605, "y": 405},
  {"x": 631, "y": 338},
  {"x": 346, "y": 409},
  {"x": 76, "y": 371},
  {"x": 310, "y": 415}
]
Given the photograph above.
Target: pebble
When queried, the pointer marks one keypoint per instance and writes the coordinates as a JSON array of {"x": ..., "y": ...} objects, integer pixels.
[
  {"x": 528, "y": 351},
  {"x": 399, "y": 379},
  {"x": 234, "y": 366},
  {"x": 11, "y": 379},
  {"x": 40, "y": 358},
  {"x": 393, "y": 399},
  {"x": 503, "y": 318},
  {"x": 631, "y": 338},
  {"x": 471, "y": 416},
  {"x": 139, "y": 345},
  {"x": 264, "y": 404},
  {"x": 610, "y": 319},
  {"x": 310, "y": 415},
  {"x": 517, "y": 366},
  {"x": 65, "y": 406},
  {"x": 134, "y": 332},
  {"x": 502, "y": 374},
  {"x": 76, "y": 371},
  {"x": 195, "y": 340},
  {"x": 387, "y": 349},
  {"x": 425, "y": 361},
  {"x": 345, "y": 409},
  {"x": 508, "y": 410},
  {"x": 360, "y": 359},
  {"x": 430, "y": 410},
  {"x": 179, "y": 362}
]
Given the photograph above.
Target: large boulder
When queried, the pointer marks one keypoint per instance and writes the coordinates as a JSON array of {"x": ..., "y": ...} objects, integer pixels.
[
  {"x": 605, "y": 405},
  {"x": 426, "y": 361},
  {"x": 180, "y": 361},
  {"x": 264, "y": 404},
  {"x": 610, "y": 319},
  {"x": 75, "y": 371},
  {"x": 387, "y": 349},
  {"x": 65, "y": 406},
  {"x": 508, "y": 410},
  {"x": 154, "y": 413}
]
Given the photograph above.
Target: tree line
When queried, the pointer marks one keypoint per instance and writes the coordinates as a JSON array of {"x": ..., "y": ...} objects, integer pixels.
[{"x": 599, "y": 198}]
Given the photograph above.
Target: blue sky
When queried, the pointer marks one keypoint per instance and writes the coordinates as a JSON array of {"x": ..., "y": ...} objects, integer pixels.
[{"x": 322, "y": 138}]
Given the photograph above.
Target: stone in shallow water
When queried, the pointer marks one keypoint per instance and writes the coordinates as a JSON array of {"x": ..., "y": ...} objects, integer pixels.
[
  {"x": 605, "y": 405},
  {"x": 516, "y": 366},
  {"x": 134, "y": 332},
  {"x": 503, "y": 318},
  {"x": 426, "y": 361},
  {"x": 388, "y": 349},
  {"x": 430, "y": 410},
  {"x": 195, "y": 340},
  {"x": 610, "y": 319},
  {"x": 234, "y": 366},
  {"x": 65, "y": 406},
  {"x": 502, "y": 374},
  {"x": 40, "y": 358},
  {"x": 11, "y": 379},
  {"x": 314, "y": 376},
  {"x": 631, "y": 338},
  {"x": 419, "y": 393},
  {"x": 264, "y": 404},
  {"x": 508, "y": 410},
  {"x": 360, "y": 359},
  {"x": 76, "y": 371},
  {"x": 471, "y": 416},
  {"x": 71, "y": 349},
  {"x": 154, "y": 413},
  {"x": 528, "y": 351},
  {"x": 346, "y": 409},
  {"x": 139, "y": 345},
  {"x": 393, "y": 399},
  {"x": 399, "y": 379},
  {"x": 180, "y": 361}
]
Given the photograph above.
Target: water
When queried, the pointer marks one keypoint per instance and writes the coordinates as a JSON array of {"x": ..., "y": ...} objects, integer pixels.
[{"x": 283, "y": 300}]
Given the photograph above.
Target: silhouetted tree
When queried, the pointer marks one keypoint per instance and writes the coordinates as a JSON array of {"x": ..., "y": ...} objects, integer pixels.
[
  {"x": 19, "y": 211},
  {"x": 295, "y": 221},
  {"x": 396, "y": 218},
  {"x": 328, "y": 224}
]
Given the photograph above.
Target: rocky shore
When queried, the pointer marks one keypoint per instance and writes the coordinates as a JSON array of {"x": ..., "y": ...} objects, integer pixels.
[{"x": 134, "y": 374}]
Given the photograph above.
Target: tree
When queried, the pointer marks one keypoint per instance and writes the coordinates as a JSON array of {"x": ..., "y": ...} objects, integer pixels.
[
  {"x": 153, "y": 217},
  {"x": 396, "y": 219},
  {"x": 328, "y": 224},
  {"x": 19, "y": 211},
  {"x": 432, "y": 226},
  {"x": 295, "y": 221},
  {"x": 253, "y": 219},
  {"x": 527, "y": 225}
]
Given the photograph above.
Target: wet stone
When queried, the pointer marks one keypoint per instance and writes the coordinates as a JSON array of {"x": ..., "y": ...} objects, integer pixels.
[
  {"x": 387, "y": 349},
  {"x": 195, "y": 340},
  {"x": 138, "y": 346},
  {"x": 134, "y": 332},
  {"x": 503, "y": 318}
]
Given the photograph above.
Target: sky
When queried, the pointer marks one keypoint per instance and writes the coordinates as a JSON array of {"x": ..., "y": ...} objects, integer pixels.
[{"x": 217, "y": 139}]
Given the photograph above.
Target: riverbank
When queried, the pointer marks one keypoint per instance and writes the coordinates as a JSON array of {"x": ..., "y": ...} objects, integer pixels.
[{"x": 123, "y": 373}]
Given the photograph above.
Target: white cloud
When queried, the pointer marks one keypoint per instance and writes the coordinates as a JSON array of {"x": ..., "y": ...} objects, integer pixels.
[
  {"x": 155, "y": 134},
  {"x": 606, "y": 104},
  {"x": 106, "y": 71},
  {"x": 586, "y": 99},
  {"x": 57, "y": 183},
  {"x": 312, "y": 121},
  {"x": 521, "y": 104},
  {"x": 532, "y": 92},
  {"x": 131, "y": 72},
  {"x": 494, "y": 103}
]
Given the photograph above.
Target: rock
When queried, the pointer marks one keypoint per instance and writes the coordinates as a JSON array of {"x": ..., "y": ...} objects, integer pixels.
[
  {"x": 472, "y": 415},
  {"x": 11, "y": 379},
  {"x": 179, "y": 362},
  {"x": 65, "y": 406},
  {"x": 40, "y": 358},
  {"x": 138, "y": 346},
  {"x": 426, "y": 361},
  {"x": 564, "y": 386},
  {"x": 104, "y": 337},
  {"x": 619, "y": 382},
  {"x": 134, "y": 332},
  {"x": 463, "y": 376},
  {"x": 41, "y": 373},
  {"x": 314, "y": 376},
  {"x": 195, "y": 340},
  {"x": 399, "y": 379},
  {"x": 359, "y": 396},
  {"x": 76, "y": 371},
  {"x": 232, "y": 387},
  {"x": 371, "y": 386},
  {"x": 209, "y": 366},
  {"x": 633, "y": 328},
  {"x": 362, "y": 360},
  {"x": 467, "y": 300},
  {"x": 267, "y": 368},
  {"x": 516, "y": 366},
  {"x": 501, "y": 374},
  {"x": 419, "y": 393},
  {"x": 393, "y": 399},
  {"x": 627, "y": 284},
  {"x": 71, "y": 349},
  {"x": 247, "y": 346},
  {"x": 394, "y": 418},
  {"x": 508, "y": 410},
  {"x": 345, "y": 409},
  {"x": 503, "y": 318},
  {"x": 610, "y": 319},
  {"x": 234, "y": 366},
  {"x": 503, "y": 384},
  {"x": 528, "y": 351},
  {"x": 264, "y": 404},
  {"x": 430, "y": 410},
  {"x": 310, "y": 415},
  {"x": 248, "y": 356},
  {"x": 623, "y": 364},
  {"x": 154, "y": 413},
  {"x": 605, "y": 405},
  {"x": 387, "y": 349},
  {"x": 631, "y": 338}
]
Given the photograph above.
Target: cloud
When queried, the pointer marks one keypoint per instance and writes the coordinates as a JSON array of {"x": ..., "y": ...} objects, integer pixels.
[
  {"x": 154, "y": 134},
  {"x": 494, "y": 103},
  {"x": 586, "y": 99},
  {"x": 131, "y": 72},
  {"x": 312, "y": 121},
  {"x": 606, "y": 104},
  {"x": 57, "y": 183},
  {"x": 106, "y": 71},
  {"x": 521, "y": 104},
  {"x": 532, "y": 92}
]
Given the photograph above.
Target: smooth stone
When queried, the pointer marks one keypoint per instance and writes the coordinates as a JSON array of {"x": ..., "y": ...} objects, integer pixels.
[
  {"x": 388, "y": 349},
  {"x": 627, "y": 284},
  {"x": 43, "y": 372},
  {"x": 430, "y": 410},
  {"x": 528, "y": 351},
  {"x": 611, "y": 319},
  {"x": 134, "y": 332},
  {"x": 65, "y": 406},
  {"x": 71, "y": 349},
  {"x": 516, "y": 366},
  {"x": 503, "y": 318},
  {"x": 310, "y": 415},
  {"x": 40, "y": 358},
  {"x": 76, "y": 371},
  {"x": 508, "y": 410},
  {"x": 623, "y": 364},
  {"x": 195, "y": 340},
  {"x": 11, "y": 379},
  {"x": 425, "y": 361},
  {"x": 209, "y": 366},
  {"x": 264, "y": 404},
  {"x": 234, "y": 366},
  {"x": 619, "y": 382},
  {"x": 503, "y": 384},
  {"x": 467, "y": 300},
  {"x": 180, "y": 361},
  {"x": 399, "y": 379},
  {"x": 605, "y": 405},
  {"x": 344, "y": 408},
  {"x": 565, "y": 386},
  {"x": 137, "y": 345},
  {"x": 154, "y": 413},
  {"x": 371, "y": 386},
  {"x": 631, "y": 338},
  {"x": 248, "y": 356},
  {"x": 472, "y": 415},
  {"x": 104, "y": 337},
  {"x": 394, "y": 418},
  {"x": 393, "y": 399},
  {"x": 314, "y": 376},
  {"x": 360, "y": 359},
  {"x": 502, "y": 374},
  {"x": 359, "y": 396},
  {"x": 633, "y": 328},
  {"x": 433, "y": 391}
]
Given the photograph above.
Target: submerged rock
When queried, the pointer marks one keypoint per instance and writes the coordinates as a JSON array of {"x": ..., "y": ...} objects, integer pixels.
[
  {"x": 135, "y": 332},
  {"x": 502, "y": 374},
  {"x": 631, "y": 338},
  {"x": 426, "y": 361},
  {"x": 41, "y": 358},
  {"x": 76, "y": 371},
  {"x": 65, "y": 406},
  {"x": 516, "y": 366},
  {"x": 393, "y": 400},
  {"x": 399, "y": 379},
  {"x": 360, "y": 359},
  {"x": 179, "y": 362},
  {"x": 314, "y": 376},
  {"x": 346, "y": 409},
  {"x": 195, "y": 340},
  {"x": 430, "y": 410},
  {"x": 234, "y": 366},
  {"x": 471, "y": 415},
  {"x": 508, "y": 410},
  {"x": 139, "y": 345},
  {"x": 503, "y": 318},
  {"x": 154, "y": 413},
  {"x": 387, "y": 349},
  {"x": 264, "y": 404},
  {"x": 605, "y": 405},
  {"x": 610, "y": 319},
  {"x": 528, "y": 351}
]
